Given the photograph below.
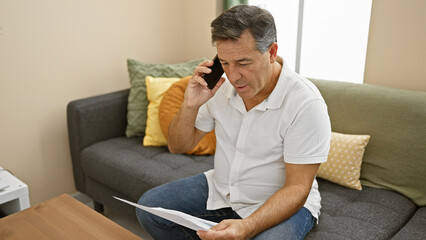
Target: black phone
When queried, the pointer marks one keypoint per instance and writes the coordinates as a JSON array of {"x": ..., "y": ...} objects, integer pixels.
[{"x": 217, "y": 72}]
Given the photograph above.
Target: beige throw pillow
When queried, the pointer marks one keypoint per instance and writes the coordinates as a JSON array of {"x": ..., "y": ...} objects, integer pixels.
[{"x": 343, "y": 165}]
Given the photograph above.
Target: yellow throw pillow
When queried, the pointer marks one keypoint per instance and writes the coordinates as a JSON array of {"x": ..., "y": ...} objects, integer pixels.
[
  {"x": 170, "y": 105},
  {"x": 155, "y": 88},
  {"x": 343, "y": 165}
]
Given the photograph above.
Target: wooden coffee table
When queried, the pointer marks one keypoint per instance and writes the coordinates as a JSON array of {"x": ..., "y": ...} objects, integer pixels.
[{"x": 62, "y": 217}]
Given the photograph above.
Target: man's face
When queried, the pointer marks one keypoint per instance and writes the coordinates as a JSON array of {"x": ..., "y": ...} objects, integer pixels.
[{"x": 247, "y": 69}]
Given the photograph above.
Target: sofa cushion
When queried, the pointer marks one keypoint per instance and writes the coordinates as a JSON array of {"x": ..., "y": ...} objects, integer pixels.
[
  {"x": 126, "y": 166},
  {"x": 394, "y": 119},
  {"x": 415, "y": 229},
  {"x": 138, "y": 102},
  {"x": 344, "y": 160},
  {"x": 155, "y": 87},
  {"x": 367, "y": 214}
]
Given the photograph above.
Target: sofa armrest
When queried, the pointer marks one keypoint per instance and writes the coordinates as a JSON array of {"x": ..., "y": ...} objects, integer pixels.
[{"x": 91, "y": 120}]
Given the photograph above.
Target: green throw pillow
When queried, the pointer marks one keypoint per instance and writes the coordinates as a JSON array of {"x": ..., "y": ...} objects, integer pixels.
[{"x": 138, "y": 102}]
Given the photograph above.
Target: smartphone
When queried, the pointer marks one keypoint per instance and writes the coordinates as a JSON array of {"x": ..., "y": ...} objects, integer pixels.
[{"x": 216, "y": 73}]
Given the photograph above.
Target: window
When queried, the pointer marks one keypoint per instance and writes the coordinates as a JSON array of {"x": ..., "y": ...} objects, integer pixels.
[{"x": 325, "y": 39}]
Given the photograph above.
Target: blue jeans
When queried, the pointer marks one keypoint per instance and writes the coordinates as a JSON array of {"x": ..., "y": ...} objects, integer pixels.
[{"x": 189, "y": 195}]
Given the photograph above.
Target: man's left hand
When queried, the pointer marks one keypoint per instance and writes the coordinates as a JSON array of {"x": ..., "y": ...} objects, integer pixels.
[{"x": 227, "y": 229}]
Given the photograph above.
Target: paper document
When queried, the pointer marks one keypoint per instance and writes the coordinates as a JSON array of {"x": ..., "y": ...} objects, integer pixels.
[{"x": 180, "y": 218}]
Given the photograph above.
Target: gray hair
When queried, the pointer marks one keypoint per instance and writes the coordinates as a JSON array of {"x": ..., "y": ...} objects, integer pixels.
[{"x": 233, "y": 22}]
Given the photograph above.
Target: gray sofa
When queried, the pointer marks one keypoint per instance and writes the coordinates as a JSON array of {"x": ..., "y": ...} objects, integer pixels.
[{"x": 390, "y": 206}]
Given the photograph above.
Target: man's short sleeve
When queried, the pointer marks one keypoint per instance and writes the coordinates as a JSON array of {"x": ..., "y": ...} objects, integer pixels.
[
  {"x": 205, "y": 121},
  {"x": 307, "y": 140}
]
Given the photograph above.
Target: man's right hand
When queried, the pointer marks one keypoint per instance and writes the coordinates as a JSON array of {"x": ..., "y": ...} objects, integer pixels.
[
  {"x": 183, "y": 136},
  {"x": 197, "y": 93}
]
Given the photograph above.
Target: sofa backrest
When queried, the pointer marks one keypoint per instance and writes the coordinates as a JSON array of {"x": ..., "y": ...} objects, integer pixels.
[{"x": 395, "y": 157}]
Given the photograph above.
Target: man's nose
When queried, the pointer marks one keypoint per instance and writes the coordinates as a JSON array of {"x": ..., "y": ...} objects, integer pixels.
[{"x": 234, "y": 74}]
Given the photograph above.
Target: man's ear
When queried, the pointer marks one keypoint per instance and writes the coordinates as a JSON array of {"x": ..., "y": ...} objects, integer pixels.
[{"x": 273, "y": 50}]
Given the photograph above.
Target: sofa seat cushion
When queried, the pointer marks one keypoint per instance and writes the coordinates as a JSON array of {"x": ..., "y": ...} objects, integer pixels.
[
  {"x": 367, "y": 214},
  {"x": 126, "y": 166},
  {"x": 415, "y": 229}
]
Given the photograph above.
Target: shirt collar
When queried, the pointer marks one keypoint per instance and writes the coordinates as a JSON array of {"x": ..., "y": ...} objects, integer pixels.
[{"x": 276, "y": 98}]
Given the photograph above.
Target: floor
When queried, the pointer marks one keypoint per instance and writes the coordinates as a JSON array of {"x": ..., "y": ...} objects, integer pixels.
[{"x": 130, "y": 224}]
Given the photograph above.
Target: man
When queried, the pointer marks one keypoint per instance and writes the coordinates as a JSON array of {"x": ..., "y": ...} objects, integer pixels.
[{"x": 272, "y": 131}]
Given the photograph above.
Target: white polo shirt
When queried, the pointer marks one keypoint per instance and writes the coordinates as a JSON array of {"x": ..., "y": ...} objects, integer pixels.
[{"x": 292, "y": 125}]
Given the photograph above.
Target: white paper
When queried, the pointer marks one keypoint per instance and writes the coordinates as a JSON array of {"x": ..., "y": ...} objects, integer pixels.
[{"x": 180, "y": 218}]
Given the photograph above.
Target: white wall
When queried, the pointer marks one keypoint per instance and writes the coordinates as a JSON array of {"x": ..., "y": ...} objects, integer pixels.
[{"x": 55, "y": 51}]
